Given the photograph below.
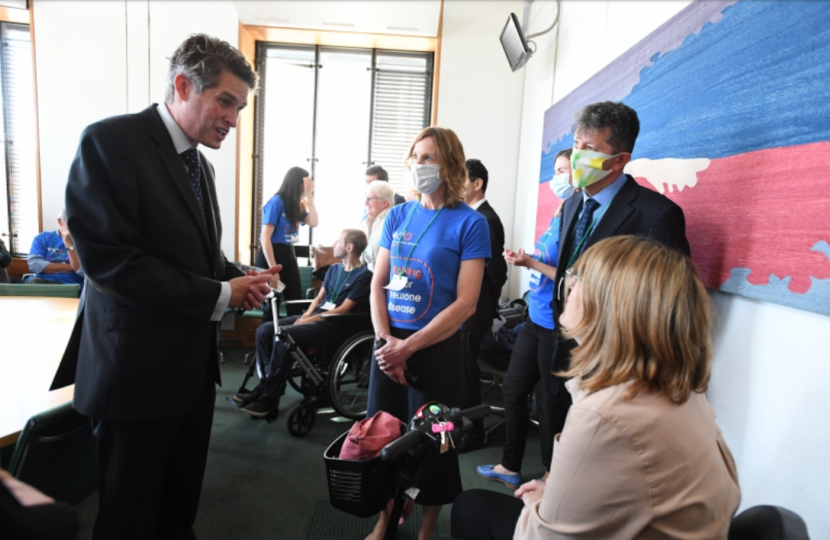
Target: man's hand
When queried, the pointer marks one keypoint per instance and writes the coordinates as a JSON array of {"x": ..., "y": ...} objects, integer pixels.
[
  {"x": 249, "y": 291},
  {"x": 303, "y": 320}
]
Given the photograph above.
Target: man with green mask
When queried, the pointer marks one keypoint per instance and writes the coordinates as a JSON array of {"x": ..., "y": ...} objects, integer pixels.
[{"x": 611, "y": 204}]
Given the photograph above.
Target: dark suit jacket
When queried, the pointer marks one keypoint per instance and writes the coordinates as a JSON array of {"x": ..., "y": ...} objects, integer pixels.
[
  {"x": 495, "y": 274},
  {"x": 635, "y": 210},
  {"x": 143, "y": 340}
]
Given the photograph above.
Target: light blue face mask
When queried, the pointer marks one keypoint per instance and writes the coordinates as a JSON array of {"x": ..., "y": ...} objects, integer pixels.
[
  {"x": 561, "y": 186},
  {"x": 425, "y": 178}
]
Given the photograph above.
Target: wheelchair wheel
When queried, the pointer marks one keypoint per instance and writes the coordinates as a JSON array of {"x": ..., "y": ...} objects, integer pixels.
[
  {"x": 301, "y": 420},
  {"x": 349, "y": 376}
]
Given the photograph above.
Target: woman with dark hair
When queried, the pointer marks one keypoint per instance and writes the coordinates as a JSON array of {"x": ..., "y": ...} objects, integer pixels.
[
  {"x": 641, "y": 455},
  {"x": 427, "y": 279},
  {"x": 532, "y": 356},
  {"x": 282, "y": 215}
]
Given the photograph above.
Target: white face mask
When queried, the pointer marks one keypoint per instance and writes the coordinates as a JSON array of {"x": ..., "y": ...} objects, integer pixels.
[
  {"x": 587, "y": 167},
  {"x": 561, "y": 186},
  {"x": 425, "y": 178}
]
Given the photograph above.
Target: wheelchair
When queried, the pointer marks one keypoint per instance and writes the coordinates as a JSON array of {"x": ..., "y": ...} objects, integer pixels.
[{"x": 333, "y": 373}]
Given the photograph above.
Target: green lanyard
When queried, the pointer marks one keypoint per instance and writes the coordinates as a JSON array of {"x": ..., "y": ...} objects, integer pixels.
[
  {"x": 584, "y": 236},
  {"x": 402, "y": 271},
  {"x": 337, "y": 292}
]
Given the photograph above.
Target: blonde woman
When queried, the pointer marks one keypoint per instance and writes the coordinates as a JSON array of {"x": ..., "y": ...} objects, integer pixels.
[
  {"x": 640, "y": 455},
  {"x": 380, "y": 198},
  {"x": 426, "y": 282}
]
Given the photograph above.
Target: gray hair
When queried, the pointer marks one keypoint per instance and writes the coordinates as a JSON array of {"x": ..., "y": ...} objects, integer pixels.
[
  {"x": 619, "y": 117},
  {"x": 383, "y": 190},
  {"x": 202, "y": 59}
]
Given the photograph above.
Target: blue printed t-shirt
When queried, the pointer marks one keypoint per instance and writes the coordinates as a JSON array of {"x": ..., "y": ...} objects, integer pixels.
[
  {"x": 48, "y": 247},
  {"x": 354, "y": 286},
  {"x": 273, "y": 213},
  {"x": 457, "y": 234},
  {"x": 546, "y": 251}
]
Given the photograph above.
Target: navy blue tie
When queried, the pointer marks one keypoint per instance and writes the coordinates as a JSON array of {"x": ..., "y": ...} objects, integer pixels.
[
  {"x": 194, "y": 173},
  {"x": 580, "y": 233}
]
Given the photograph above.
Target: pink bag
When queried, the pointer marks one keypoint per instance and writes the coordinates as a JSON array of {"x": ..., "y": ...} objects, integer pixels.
[{"x": 368, "y": 437}]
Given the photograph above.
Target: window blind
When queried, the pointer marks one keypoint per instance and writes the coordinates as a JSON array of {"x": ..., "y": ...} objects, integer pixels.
[
  {"x": 20, "y": 198},
  {"x": 402, "y": 104}
]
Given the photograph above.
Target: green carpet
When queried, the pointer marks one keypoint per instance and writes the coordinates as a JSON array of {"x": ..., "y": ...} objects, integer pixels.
[
  {"x": 262, "y": 483},
  {"x": 328, "y": 523}
]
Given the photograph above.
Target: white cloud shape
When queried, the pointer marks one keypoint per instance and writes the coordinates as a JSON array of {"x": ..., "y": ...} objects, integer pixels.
[{"x": 672, "y": 172}]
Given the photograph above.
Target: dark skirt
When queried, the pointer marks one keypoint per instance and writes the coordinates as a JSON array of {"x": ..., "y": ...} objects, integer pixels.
[{"x": 440, "y": 372}]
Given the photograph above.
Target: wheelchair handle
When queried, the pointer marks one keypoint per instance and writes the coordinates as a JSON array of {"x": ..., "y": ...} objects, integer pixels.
[
  {"x": 477, "y": 413},
  {"x": 395, "y": 450}
]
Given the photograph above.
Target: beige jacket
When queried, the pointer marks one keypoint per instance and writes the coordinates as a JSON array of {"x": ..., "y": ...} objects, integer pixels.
[{"x": 645, "y": 468}]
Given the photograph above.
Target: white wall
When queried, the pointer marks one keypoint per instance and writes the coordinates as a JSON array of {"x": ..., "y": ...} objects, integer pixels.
[
  {"x": 480, "y": 98},
  {"x": 771, "y": 362},
  {"x": 98, "y": 59},
  {"x": 79, "y": 81}
]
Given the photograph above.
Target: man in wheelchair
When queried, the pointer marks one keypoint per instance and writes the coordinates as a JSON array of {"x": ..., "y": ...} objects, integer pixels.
[{"x": 345, "y": 289}]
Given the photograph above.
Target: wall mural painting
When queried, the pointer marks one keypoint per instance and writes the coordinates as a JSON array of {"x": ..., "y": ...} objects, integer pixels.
[{"x": 734, "y": 104}]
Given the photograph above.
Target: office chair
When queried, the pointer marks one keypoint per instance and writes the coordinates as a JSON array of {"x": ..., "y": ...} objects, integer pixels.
[
  {"x": 768, "y": 523},
  {"x": 56, "y": 455}
]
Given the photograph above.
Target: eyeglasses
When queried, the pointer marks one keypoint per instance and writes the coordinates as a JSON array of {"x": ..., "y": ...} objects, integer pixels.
[
  {"x": 370, "y": 199},
  {"x": 571, "y": 277}
]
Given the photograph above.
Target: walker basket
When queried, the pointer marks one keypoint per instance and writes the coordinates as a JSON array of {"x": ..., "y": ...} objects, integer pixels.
[{"x": 361, "y": 488}]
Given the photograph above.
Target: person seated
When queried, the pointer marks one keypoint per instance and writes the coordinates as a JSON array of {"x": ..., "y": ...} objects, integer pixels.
[
  {"x": 379, "y": 199},
  {"x": 641, "y": 455},
  {"x": 53, "y": 258},
  {"x": 377, "y": 173},
  {"x": 345, "y": 289}
]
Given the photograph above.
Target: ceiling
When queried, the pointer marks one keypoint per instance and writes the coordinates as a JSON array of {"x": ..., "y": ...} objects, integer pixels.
[{"x": 406, "y": 18}]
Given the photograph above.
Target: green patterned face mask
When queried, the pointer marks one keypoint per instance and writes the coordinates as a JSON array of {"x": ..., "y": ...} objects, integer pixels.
[{"x": 587, "y": 167}]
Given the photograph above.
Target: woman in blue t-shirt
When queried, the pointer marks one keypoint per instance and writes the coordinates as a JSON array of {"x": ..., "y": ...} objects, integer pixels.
[
  {"x": 532, "y": 356},
  {"x": 428, "y": 275},
  {"x": 282, "y": 216}
]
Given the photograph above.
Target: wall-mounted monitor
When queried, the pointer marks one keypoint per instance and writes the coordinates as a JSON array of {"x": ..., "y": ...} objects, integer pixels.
[{"x": 514, "y": 43}]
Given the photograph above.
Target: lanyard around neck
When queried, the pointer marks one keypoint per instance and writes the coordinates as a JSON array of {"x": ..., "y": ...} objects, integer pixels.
[
  {"x": 588, "y": 232},
  {"x": 403, "y": 232},
  {"x": 340, "y": 288}
]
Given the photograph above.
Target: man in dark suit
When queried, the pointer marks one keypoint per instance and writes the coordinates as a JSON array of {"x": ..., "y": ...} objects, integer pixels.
[
  {"x": 487, "y": 309},
  {"x": 143, "y": 212},
  {"x": 610, "y": 204}
]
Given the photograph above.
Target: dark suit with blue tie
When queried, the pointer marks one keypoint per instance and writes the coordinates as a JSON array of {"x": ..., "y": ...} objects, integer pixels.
[
  {"x": 143, "y": 353},
  {"x": 635, "y": 210}
]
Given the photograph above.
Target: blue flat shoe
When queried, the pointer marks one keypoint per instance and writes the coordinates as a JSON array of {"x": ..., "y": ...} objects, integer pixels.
[{"x": 513, "y": 481}]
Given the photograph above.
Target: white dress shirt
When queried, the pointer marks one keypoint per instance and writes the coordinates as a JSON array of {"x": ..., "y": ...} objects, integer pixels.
[{"x": 182, "y": 144}]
